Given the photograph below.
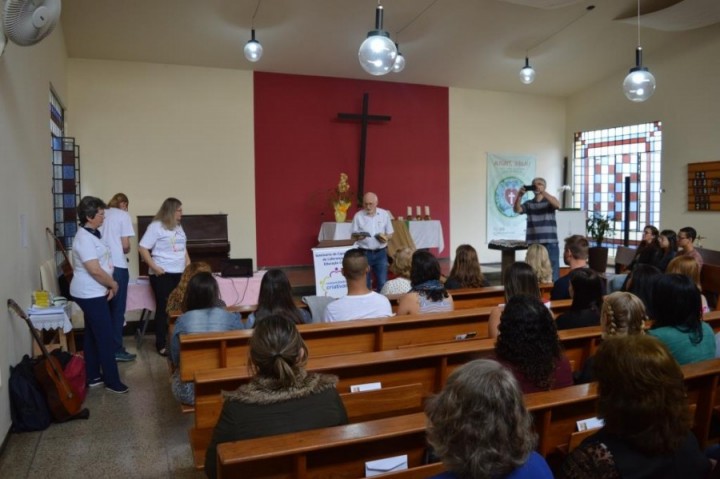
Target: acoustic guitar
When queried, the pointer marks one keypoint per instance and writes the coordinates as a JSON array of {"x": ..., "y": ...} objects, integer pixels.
[{"x": 64, "y": 403}]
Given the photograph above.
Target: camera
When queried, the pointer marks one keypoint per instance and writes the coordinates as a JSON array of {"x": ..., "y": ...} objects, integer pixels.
[{"x": 529, "y": 187}]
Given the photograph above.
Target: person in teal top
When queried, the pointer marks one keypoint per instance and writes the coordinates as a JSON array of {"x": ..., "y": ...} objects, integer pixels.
[{"x": 677, "y": 312}]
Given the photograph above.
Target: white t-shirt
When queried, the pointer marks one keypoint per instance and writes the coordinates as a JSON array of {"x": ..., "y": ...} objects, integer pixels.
[
  {"x": 168, "y": 246},
  {"x": 87, "y": 247},
  {"x": 371, "y": 305},
  {"x": 117, "y": 225}
]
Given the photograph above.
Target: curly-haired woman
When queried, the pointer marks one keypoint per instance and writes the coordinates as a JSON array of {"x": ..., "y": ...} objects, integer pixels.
[
  {"x": 539, "y": 260},
  {"x": 647, "y": 421},
  {"x": 528, "y": 344},
  {"x": 479, "y": 427},
  {"x": 401, "y": 267},
  {"x": 519, "y": 278}
]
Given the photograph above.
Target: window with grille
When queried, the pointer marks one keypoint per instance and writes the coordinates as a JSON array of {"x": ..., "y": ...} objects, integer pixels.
[
  {"x": 65, "y": 176},
  {"x": 602, "y": 161}
]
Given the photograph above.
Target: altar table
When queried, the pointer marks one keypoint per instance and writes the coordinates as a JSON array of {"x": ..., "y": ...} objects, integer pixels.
[{"x": 425, "y": 234}]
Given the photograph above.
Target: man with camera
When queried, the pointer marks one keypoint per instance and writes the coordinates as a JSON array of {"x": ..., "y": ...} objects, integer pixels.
[{"x": 541, "y": 224}]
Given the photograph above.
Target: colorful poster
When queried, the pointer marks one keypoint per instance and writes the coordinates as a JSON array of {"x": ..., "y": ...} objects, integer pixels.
[
  {"x": 329, "y": 280},
  {"x": 505, "y": 175}
]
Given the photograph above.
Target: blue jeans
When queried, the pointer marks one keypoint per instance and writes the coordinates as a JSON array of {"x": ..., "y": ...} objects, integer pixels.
[
  {"x": 117, "y": 306},
  {"x": 98, "y": 344},
  {"x": 378, "y": 262},
  {"x": 554, "y": 253}
]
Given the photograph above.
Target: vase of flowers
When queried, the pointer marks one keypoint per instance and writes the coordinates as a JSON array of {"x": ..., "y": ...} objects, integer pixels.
[{"x": 341, "y": 199}]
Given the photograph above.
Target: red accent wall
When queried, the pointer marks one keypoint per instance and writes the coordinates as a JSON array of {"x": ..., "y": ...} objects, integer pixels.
[{"x": 301, "y": 148}]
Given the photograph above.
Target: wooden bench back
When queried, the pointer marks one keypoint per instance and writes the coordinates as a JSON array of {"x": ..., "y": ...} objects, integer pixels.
[
  {"x": 343, "y": 450},
  {"x": 203, "y": 351}
]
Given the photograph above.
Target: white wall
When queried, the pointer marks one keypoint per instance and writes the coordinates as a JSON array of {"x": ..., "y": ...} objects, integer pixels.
[
  {"x": 688, "y": 104},
  {"x": 484, "y": 122},
  {"x": 154, "y": 131},
  {"x": 25, "y": 185}
]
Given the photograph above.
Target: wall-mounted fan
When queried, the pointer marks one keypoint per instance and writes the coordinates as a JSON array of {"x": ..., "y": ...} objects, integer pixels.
[
  {"x": 3, "y": 38},
  {"x": 26, "y": 22}
]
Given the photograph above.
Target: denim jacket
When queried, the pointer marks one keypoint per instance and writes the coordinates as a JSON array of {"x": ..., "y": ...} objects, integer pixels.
[{"x": 202, "y": 321}]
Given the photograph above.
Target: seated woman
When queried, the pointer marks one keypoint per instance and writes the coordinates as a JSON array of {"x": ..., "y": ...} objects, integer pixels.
[
  {"x": 202, "y": 315},
  {"x": 677, "y": 315},
  {"x": 276, "y": 298},
  {"x": 528, "y": 344},
  {"x": 648, "y": 252},
  {"x": 479, "y": 427},
  {"x": 641, "y": 283},
  {"x": 586, "y": 291},
  {"x": 622, "y": 314},
  {"x": 689, "y": 266},
  {"x": 465, "y": 271},
  {"x": 668, "y": 248},
  {"x": 428, "y": 294},
  {"x": 519, "y": 278},
  {"x": 175, "y": 300},
  {"x": 282, "y": 397},
  {"x": 539, "y": 260},
  {"x": 647, "y": 420},
  {"x": 402, "y": 263}
]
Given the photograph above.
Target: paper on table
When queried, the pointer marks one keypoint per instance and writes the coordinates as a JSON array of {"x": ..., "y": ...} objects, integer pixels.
[{"x": 382, "y": 466}]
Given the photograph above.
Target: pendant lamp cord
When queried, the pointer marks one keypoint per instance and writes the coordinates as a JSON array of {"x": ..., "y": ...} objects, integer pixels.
[{"x": 252, "y": 21}]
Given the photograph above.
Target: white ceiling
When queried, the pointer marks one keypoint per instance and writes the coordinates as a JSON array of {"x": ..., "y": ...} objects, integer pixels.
[{"x": 477, "y": 44}]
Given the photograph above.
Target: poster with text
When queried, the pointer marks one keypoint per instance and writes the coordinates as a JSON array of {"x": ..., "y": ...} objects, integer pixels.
[
  {"x": 505, "y": 176},
  {"x": 329, "y": 280}
]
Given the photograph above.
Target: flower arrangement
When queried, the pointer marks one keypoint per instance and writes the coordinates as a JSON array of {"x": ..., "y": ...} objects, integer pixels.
[{"x": 341, "y": 198}]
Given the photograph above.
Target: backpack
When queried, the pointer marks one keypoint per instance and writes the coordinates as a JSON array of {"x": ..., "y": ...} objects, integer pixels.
[{"x": 28, "y": 407}]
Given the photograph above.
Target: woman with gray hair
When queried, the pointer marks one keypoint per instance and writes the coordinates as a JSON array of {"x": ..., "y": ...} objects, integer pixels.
[
  {"x": 92, "y": 287},
  {"x": 479, "y": 427}
]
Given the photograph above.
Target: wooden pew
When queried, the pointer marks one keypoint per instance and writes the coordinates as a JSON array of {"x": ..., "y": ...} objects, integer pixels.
[
  {"x": 359, "y": 406},
  {"x": 203, "y": 351},
  {"x": 710, "y": 283},
  {"x": 428, "y": 365},
  {"x": 339, "y": 451},
  {"x": 467, "y": 298},
  {"x": 342, "y": 451}
]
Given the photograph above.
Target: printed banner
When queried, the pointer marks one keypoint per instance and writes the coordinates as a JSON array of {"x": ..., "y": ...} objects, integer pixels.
[
  {"x": 505, "y": 175},
  {"x": 329, "y": 280}
]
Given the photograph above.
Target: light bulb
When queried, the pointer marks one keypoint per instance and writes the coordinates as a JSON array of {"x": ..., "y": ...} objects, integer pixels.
[
  {"x": 639, "y": 84},
  {"x": 377, "y": 54},
  {"x": 527, "y": 74},
  {"x": 399, "y": 64},
  {"x": 253, "y": 50}
]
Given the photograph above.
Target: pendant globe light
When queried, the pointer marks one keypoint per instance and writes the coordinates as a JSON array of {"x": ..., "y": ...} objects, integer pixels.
[
  {"x": 527, "y": 74},
  {"x": 377, "y": 53},
  {"x": 253, "y": 50},
  {"x": 399, "y": 64},
  {"x": 639, "y": 84}
]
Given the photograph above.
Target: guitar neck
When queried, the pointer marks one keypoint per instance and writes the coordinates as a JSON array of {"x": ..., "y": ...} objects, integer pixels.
[{"x": 58, "y": 244}]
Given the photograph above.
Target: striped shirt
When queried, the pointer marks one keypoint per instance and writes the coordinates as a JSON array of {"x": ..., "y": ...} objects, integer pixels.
[{"x": 541, "y": 224}]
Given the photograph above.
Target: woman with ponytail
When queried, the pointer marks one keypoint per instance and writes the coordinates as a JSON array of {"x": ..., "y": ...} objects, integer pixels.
[{"x": 282, "y": 397}]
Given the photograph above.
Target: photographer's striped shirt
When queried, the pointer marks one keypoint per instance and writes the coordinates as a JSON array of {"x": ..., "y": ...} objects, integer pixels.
[{"x": 541, "y": 224}]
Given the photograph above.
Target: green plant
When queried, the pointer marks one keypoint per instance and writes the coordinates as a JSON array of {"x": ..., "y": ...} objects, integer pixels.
[{"x": 599, "y": 227}]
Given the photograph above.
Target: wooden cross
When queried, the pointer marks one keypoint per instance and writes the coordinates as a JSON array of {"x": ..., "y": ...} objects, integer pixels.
[{"x": 364, "y": 118}]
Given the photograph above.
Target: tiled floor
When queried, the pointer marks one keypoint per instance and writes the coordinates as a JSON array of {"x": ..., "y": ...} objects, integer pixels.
[{"x": 141, "y": 434}]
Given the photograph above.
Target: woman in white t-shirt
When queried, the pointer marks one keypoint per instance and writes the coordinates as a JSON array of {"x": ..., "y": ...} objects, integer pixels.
[
  {"x": 92, "y": 287},
  {"x": 164, "y": 248}
]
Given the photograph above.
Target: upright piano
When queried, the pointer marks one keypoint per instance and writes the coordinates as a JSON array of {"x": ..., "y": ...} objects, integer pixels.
[{"x": 207, "y": 238}]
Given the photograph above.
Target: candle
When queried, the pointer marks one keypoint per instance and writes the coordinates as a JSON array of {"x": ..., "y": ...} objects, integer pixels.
[
  {"x": 409, "y": 211},
  {"x": 427, "y": 210},
  {"x": 417, "y": 209}
]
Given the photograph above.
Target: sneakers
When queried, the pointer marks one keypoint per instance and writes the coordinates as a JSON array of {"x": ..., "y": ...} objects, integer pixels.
[
  {"x": 124, "y": 357},
  {"x": 93, "y": 383},
  {"x": 119, "y": 389},
  {"x": 163, "y": 352}
]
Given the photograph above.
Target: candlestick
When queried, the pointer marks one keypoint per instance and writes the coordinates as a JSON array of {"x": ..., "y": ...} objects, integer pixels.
[
  {"x": 418, "y": 215},
  {"x": 409, "y": 212},
  {"x": 427, "y": 210}
]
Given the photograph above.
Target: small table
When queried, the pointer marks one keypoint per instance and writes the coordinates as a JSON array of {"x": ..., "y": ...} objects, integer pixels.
[
  {"x": 57, "y": 320},
  {"x": 508, "y": 248}
]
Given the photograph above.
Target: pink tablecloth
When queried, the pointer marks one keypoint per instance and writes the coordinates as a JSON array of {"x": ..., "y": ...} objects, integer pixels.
[{"x": 234, "y": 291}]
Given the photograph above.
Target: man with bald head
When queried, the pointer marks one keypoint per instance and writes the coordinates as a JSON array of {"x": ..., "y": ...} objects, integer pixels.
[{"x": 371, "y": 228}]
